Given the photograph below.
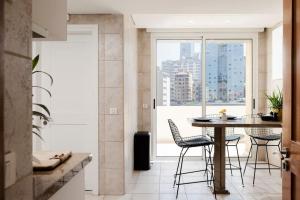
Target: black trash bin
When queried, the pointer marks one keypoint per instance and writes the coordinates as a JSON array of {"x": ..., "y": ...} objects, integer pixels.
[{"x": 142, "y": 150}]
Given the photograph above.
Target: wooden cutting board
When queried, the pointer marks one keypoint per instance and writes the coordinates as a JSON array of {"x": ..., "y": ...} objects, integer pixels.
[{"x": 49, "y": 160}]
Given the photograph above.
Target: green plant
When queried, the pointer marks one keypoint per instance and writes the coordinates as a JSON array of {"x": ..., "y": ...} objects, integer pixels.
[
  {"x": 275, "y": 99},
  {"x": 40, "y": 112}
]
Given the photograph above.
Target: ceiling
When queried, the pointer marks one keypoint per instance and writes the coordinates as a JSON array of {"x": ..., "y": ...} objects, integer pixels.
[{"x": 187, "y": 13}]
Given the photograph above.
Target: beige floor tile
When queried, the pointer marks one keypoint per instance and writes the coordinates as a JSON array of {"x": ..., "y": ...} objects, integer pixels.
[
  {"x": 157, "y": 184},
  {"x": 166, "y": 179},
  {"x": 200, "y": 196},
  {"x": 145, "y": 197},
  {"x": 118, "y": 197},
  {"x": 148, "y": 179},
  {"x": 173, "y": 196},
  {"x": 143, "y": 188},
  {"x": 89, "y": 196},
  {"x": 169, "y": 189}
]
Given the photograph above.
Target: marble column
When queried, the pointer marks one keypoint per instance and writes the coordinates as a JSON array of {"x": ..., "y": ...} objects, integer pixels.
[{"x": 17, "y": 94}]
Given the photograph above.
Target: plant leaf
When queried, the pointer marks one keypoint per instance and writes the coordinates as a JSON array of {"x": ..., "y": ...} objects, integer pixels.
[
  {"x": 41, "y": 115},
  {"x": 37, "y": 134},
  {"x": 36, "y": 127},
  {"x": 275, "y": 99},
  {"x": 42, "y": 72},
  {"x": 43, "y": 107},
  {"x": 35, "y": 62},
  {"x": 48, "y": 91}
]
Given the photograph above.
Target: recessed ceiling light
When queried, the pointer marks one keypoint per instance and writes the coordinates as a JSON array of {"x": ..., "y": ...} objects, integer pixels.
[{"x": 191, "y": 22}]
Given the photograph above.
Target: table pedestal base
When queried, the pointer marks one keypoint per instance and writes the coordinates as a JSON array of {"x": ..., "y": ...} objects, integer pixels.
[
  {"x": 222, "y": 192},
  {"x": 219, "y": 161},
  {"x": 219, "y": 191}
]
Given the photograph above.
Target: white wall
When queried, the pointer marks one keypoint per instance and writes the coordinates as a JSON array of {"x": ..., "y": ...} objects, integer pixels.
[{"x": 272, "y": 84}]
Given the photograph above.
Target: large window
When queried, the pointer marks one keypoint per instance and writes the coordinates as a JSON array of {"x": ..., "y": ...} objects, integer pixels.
[
  {"x": 179, "y": 90},
  {"x": 186, "y": 89}
]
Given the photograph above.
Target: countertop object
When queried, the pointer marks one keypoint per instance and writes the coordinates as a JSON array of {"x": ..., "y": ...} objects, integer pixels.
[
  {"x": 49, "y": 160},
  {"x": 47, "y": 183},
  {"x": 247, "y": 122}
]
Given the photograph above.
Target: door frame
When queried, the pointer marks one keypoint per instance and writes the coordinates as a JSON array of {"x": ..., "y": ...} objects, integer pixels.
[
  {"x": 2, "y": 151},
  {"x": 90, "y": 31},
  {"x": 198, "y": 35}
]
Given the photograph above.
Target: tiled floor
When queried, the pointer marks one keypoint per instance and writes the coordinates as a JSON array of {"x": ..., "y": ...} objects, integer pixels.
[{"x": 156, "y": 184}]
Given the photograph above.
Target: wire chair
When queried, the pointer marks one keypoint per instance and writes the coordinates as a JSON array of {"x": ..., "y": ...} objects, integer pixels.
[
  {"x": 186, "y": 143},
  {"x": 261, "y": 137}
]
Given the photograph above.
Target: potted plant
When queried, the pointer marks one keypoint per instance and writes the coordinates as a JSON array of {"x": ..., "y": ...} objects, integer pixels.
[
  {"x": 40, "y": 112},
  {"x": 276, "y": 102},
  {"x": 223, "y": 114}
]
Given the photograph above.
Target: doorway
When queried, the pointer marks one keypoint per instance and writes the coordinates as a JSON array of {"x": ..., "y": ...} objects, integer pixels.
[{"x": 73, "y": 64}]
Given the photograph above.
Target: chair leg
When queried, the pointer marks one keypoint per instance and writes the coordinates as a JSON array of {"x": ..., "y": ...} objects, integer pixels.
[
  {"x": 212, "y": 173},
  {"x": 178, "y": 184},
  {"x": 205, "y": 158},
  {"x": 238, "y": 157},
  {"x": 229, "y": 159},
  {"x": 248, "y": 158},
  {"x": 175, "y": 175},
  {"x": 206, "y": 165},
  {"x": 268, "y": 159},
  {"x": 255, "y": 164}
]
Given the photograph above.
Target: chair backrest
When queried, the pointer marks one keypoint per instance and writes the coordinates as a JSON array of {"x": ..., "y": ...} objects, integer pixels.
[
  {"x": 257, "y": 131},
  {"x": 175, "y": 132}
]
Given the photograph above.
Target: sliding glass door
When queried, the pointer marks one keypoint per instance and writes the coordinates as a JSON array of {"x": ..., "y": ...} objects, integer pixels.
[
  {"x": 198, "y": 77},
  {"x": 228, "y": 84},
  {"x": 178, "y": 90}
]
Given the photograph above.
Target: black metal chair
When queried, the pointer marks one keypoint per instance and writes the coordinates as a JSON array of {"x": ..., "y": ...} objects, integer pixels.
[
  {"x": 261, "y": 137},
  {"x": 232, "y": 140},
  {"x": 185, "y": 143}
]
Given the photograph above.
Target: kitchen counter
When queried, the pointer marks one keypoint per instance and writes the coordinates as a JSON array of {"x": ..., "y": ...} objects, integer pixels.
[{"x": 47, "y": 183}]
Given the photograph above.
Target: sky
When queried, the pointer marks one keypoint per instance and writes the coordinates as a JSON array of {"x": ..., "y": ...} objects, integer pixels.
[{"x": 170, "y": 49}]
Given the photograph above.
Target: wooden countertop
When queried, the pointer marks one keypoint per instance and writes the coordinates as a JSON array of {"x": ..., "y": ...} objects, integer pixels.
[
  {"x": 247, "y": 122},
  {"x": 47, "y": 183}
]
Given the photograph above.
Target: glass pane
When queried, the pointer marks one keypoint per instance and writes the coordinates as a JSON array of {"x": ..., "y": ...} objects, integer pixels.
[
  {"x": 227, "y": 62},
  {"x": 179, "y": 91}
]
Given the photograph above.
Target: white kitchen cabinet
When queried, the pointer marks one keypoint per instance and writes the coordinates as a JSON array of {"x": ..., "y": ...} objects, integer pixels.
[{"x": 49, "y": 20}]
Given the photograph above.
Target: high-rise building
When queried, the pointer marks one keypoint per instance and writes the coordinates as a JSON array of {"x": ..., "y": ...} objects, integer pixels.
[
  {"x": 170, "y": 68},
  {"x": 183, "y": 85},
  {"x": 193, "y": 66},
  {"x": 186, "y": 50},
  {"x": 225, "y": 72},
  {"x": 163, "y": 89},
  {"x": 211, "y": 72}
]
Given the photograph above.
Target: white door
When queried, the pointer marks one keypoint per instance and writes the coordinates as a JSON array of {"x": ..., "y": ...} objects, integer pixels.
[{"x": 74, "y": 102}]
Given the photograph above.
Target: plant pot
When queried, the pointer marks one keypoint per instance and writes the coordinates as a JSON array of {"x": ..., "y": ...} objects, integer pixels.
[
  {"x": 277, "y": 113},
  {"x": 224, "y": 117},
  {"x": 280, "y": 115}
]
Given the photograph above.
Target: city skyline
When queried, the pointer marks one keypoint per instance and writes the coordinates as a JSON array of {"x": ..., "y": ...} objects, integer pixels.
[{"x": 225, "y": 74}]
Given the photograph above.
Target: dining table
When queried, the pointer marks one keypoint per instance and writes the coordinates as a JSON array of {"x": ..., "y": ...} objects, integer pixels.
[{"x": 220, "y": 126}]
